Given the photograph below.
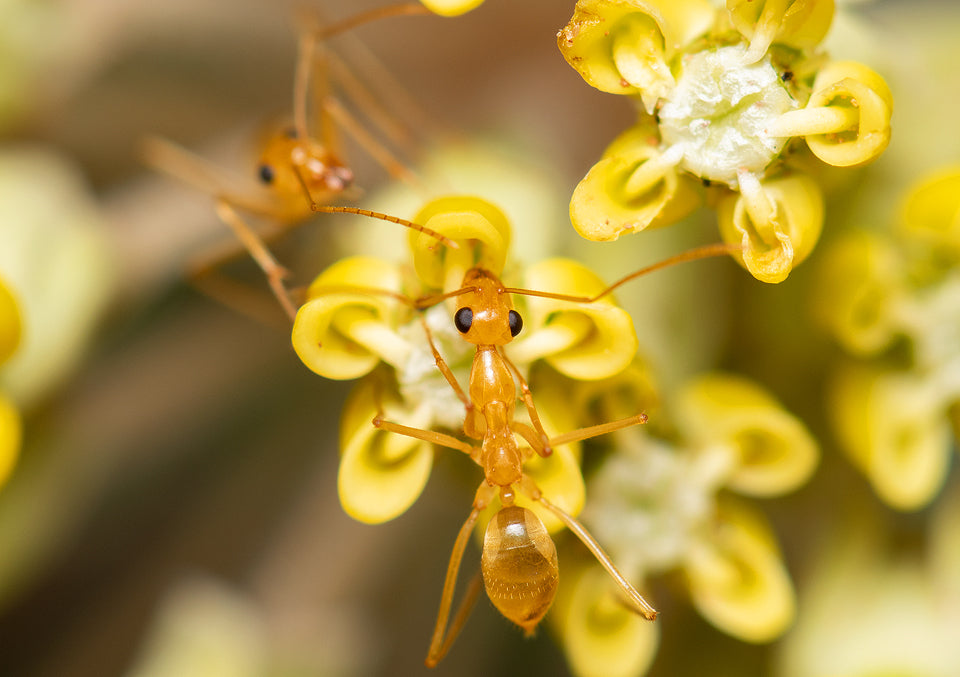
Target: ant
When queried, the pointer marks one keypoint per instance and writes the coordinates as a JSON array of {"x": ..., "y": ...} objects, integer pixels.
[
  {"x": 519, "y": 560},
  {"x": 300, "y": 171}
]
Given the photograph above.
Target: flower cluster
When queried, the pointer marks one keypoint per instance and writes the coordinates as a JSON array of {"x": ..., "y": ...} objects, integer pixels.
[
  {"x": 665, "y": 500},
  {"x": 358, "y": 315},
  {"x": 725, "y": 96},
  {"x": 892, "y": 301}
]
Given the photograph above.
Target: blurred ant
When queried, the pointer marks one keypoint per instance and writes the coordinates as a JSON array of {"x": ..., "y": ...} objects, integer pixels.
[{"x": 300, "y": 170}]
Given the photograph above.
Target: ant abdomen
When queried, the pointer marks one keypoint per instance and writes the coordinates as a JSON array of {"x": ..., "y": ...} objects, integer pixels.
[{"x": 519, "y": 565}]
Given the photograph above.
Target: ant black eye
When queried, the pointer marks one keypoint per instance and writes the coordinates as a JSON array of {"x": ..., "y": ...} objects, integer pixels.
[
  {"x": 516, "y": 322},
  {"x": 463, "y": 319},
  {"x": 266, "y": 173},
  {"x": 291, "y": 132}
]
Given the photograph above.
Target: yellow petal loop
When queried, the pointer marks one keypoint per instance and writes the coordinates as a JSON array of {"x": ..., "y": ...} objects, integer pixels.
[
  {"x": 479, "y": 228},
  {"x": 601, "y": 636},
  {"x": 451, "y": 7},
  {"x": 624, "y": 46},
  {"x": 859, "y": 282},
  {"x": 11, "y": 326},
  {"x": 774, "y": 451},
  {"x": 10, "y": 434},
  {"x": 797, "y": 23},
  {"x": 343, "y": 334},
  {"x": 381, "y": 474},
  {"x": 777, "y": 223},
  {"x": 737, "y": 579},
  {"x": 894, "y": 429},
  {"x": 846, "y": 122},
  {"x": 581, "y": 340},
  {"x": 931, "y": 212},
  {"x": 635, "y": 186}
]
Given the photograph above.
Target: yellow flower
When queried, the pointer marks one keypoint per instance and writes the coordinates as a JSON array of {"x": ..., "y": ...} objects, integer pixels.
[
  {"x": 723, "y": 92},
  {"x": 10, "y": 426},
  {"x": 451, "y": 7},
  {"x": 662, "y": 505},
  {"x": 360, "y": 313},
  {"x": 880, "y": 293}
]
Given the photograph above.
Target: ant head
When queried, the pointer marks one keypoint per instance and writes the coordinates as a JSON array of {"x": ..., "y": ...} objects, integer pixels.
[
  {"x": 485, "y": 315},
  {"x": 289, "y": 164}
]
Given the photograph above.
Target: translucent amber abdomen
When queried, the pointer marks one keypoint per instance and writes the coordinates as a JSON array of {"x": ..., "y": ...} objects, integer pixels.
[{"x": 519, "y": 566}]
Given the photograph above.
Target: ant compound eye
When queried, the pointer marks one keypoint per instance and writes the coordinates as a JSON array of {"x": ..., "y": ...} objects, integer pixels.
[
  {"x": 266, "y": 173},
  {"x": 463, "y": 319},
  {"x": 516, "y": 322}
]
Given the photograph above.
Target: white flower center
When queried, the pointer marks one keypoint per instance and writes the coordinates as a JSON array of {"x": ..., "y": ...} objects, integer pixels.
[{"x": 719, "y": 113}]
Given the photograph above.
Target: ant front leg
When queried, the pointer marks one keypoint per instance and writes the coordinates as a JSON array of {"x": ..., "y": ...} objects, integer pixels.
[
  {"x": 470, "y": 426},
  {"x": 541, "y": 443},
  {"x": 276, "y": 274},
  {"x": 637, "y": 602},
  {"x": 441, "y": 640}
]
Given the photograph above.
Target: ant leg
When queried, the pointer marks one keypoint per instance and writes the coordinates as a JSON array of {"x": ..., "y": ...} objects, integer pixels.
[
  {"x": 638, "y": 603},
  {"x": 595, "y": 430},
  {"x": 470, "y": 426},
  {"x": 398, "y": 9},
  {"x": 545, "y": 447},
  {"x": 426, "y": 435},
  {"x": 438, "y": 644},
  {"x": 275, "y": 273},
  {"x": 376, "y": 150}
]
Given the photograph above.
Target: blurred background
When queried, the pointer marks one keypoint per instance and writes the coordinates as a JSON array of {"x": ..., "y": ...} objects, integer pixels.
[{"x": 178, "y": 471}]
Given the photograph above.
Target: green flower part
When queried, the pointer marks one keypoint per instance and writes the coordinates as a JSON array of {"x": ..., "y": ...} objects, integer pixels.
[
  {"x": 723, "y": 92},
  {"x": 737, "y": 578},
  {"x": 776, "y": 222},
  {"x": 773, "y": 451}
]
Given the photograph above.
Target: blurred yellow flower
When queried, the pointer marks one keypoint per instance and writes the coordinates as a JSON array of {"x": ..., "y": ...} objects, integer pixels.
[
  {"x": 663, "y": 505},
  {"x": 878, "y": 291}
]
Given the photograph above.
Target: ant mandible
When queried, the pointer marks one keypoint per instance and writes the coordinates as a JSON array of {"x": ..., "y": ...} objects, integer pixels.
[
  {"x": 519, "y": 560},
  {"x": 299, "y": 170}
]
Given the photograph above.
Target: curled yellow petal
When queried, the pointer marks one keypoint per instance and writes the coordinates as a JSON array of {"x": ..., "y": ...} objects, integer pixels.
[
  {"x": 601, "y": 636},
  {"x": 624, "y": 46},
  {"x": 774, "y": 452},
  {"x": 10, "y": 434},
  {"x": 797, "y": 23},
  {"x": 857, "y": 290},
  {"x": 343, "y": 334},
  {"x": 581, "y": 340},
  {"x": 11, "y": 326},
  {"x": 451, "y": 7},
  {"x": 931, "y": 212},
  {"x": 895, "y": 429},
  {"x": 480, "y": 229},
  {"x": 381, "y": 473},
  {"x": 847, "y": 119},
  {"x": 633, "y": 187},
  {"x": 737, "y": 579},
  {"x": 777, "y": 222}
]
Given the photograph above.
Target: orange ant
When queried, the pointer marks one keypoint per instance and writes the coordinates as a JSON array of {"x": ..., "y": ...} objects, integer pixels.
[
  {"x": 300, "y": 171},
  {"x": 519, "y": 560}
]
